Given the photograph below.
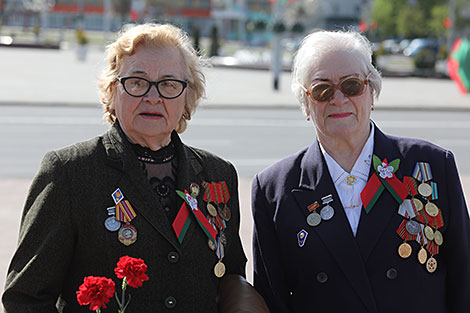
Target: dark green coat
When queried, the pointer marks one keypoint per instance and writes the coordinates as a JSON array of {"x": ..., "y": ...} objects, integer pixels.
[{"x": 63, "y": 237}]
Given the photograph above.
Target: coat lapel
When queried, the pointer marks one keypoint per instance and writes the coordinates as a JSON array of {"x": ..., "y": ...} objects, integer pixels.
[
  {"x": 189, "y": 171},
  {"x": 135, "y": 186},
  {"x": 372, "y": 224},
  {"x": 315, "y": 183}
]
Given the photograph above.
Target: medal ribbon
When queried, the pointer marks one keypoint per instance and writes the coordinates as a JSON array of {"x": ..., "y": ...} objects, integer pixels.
[
  {"x": 182, "y": 222},
  {"x": 432, "y": 248},
  {"x": 403, "y": 233},
  {"x": 422, "y": 171},
  {"x": 124, "y": 211},
  {"x": 220, "y": 249},
  {"x": 410, "y": 184},
  {"x": 208, "y": 229},
  {"x": 216, "y": 192},
  {"x": 375, "y": 187},
  {"x": 434, "y": 190}
]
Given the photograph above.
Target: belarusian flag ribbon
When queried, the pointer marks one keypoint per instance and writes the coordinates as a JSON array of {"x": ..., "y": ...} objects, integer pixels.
[
  {"x": 190, "y": 201},
  {"x": 182, "y": 222},
  {"x": 385, "y": 180}
]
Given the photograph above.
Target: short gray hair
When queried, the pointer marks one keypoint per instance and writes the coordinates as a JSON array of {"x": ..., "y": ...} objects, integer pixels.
[{"x": 321, "y": 42}]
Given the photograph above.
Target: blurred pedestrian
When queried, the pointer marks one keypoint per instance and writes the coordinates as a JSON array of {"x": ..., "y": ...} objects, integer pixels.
[
  {"x": 137, "y": 190},
  {"x": 359, "y": 221}
]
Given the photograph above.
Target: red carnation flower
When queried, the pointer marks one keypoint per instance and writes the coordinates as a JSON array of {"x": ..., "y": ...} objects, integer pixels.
[
  {"x": 95, "y": 291},
  {"x": 133, "y": 269}
]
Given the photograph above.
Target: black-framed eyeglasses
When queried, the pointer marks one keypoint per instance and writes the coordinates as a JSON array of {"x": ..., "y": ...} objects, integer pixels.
[
  {"x": 349, "y": 86},
  {"x": 139, "y": 87}
]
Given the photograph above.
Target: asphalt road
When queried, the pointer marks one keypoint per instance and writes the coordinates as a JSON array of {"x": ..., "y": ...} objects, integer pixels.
[{"x": 251, "y": 138}]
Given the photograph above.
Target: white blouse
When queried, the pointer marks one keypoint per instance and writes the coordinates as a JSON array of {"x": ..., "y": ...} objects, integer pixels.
[{"x": 350, "y": 185}]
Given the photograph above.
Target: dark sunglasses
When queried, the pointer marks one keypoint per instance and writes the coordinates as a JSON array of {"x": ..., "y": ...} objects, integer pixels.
[{"x": 349, "y": 86}]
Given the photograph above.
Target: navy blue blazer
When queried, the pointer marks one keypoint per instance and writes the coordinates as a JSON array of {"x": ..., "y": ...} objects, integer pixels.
[{"x": 336, "y": 272}]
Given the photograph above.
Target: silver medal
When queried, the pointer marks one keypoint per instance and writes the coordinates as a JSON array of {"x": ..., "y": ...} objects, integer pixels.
[
  {"x": 112, "y": 224},
  {"x": 413, "y": 227},
  {"x": 327, "y": 212},
  {"x": 313, "y": 219}
]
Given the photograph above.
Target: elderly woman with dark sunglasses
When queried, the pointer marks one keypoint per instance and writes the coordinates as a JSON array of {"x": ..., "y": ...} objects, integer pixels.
[
  {"x": 359, "y": 221},
  {"x": 138, "y": 191}
]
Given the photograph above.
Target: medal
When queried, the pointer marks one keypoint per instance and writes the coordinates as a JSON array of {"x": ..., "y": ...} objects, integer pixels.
[
  {"x": 425, "y": 190},
  {"x": 219, "y": 269},
  {"x": 211, "y": 244},
  {"x": 313, "y": 219},
  {"x": 404, "y": 250},
  {"x": 327, "y": 212},
  {"x": 422, "y": 255},
  {"x": 127, "y": 234},
  {"x": 418, "y": 204},
  {"x": 431, "y": 209},
  {"x": 224, "y": 212},
  {"x": 429, "y": 233},
  {"x": 227, "y": 213},
  {"x": 413, "y": 227},
  {"x": 223, "y": 238},
  {"x": 194, "y": 188},
  {"x": 117, "y": 196},
  {"x": 112, "y": 224},
  {"x": 431, "y": 265},
  {"x": 438, "y": 239},
  {"x": 211, "y": 209}
]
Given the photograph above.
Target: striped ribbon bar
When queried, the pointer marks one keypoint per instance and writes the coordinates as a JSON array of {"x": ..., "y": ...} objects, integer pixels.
[
  {"x": 217, "y": 192},
  {"x": 422, "y": 171},
  {"x": 434, "y": 194},
  {"x": 432, "y": 248},
  {"x": 410, "y": 184},
  {"x": 124, "y": 211}
]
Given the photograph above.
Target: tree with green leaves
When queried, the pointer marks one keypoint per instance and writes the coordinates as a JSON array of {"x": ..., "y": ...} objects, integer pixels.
[{"x": 410, "y": 18}]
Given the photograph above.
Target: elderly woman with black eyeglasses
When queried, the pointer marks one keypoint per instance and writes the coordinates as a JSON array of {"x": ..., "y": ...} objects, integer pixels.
[
  {"x": 135, "y": 191},
  {"x": 359, "y": 221}
]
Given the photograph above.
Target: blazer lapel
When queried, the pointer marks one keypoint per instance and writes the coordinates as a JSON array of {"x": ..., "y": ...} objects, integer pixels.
[
  {"x": 372, "y": 224},
  {"x": 315, "y": 183},
  {"x": 134, "y": 185},
  {"x": 189, "y": 171}
]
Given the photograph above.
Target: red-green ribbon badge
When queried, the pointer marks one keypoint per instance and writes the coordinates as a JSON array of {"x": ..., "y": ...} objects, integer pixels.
[
  {"x": 181, "y": 223},
  {"x": 383, "y": 178}
]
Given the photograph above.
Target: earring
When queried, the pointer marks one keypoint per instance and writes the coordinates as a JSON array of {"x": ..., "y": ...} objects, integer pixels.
[
  {"x": 308, "y": 117},
  {"x": 372, "y": 107}
]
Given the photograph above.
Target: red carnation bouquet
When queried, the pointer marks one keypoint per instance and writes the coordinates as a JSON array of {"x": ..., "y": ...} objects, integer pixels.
[{"x": 96, "y": 291}]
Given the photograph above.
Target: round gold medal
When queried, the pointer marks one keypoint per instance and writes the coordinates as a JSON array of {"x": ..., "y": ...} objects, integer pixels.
[
  {"x": 438, "y": 239},
  {"x": 227, "y": 213},
  {"x": 424, "y": 189},
  {"x": 429, "y": 232},
  {"x": 211, "y": 209},
  {"x": 431, "y": 209},
  {"x": 422, "y": 255},
  {"x": 418, "y": 204},
  {"x": 431, "y": 265},
  {"x": 404, "y": 250},
  {"x": 219, "y": 269}
]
